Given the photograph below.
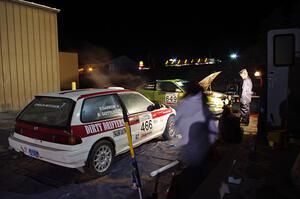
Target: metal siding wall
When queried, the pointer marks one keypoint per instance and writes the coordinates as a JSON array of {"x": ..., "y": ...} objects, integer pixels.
[
  {"x": 12, "y": 56},
  {"x": 43, "y": 50},
  {"x": 48, "y": 53},
  {"x": 28, "y": 54},
  {"x": 68, "y": 63},
  {"x": 19, "y": 56},
  {"x": 25, "y": 52},
  {"x": 53, "y": 49},
  {"x": 54, "y": 44},
  {"x": 5, "y": 57},
  {"x": 2, "y": 99},
  {"x": 36, "y": 66}
]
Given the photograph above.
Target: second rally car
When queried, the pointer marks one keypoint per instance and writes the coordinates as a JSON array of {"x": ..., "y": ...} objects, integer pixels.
[{"x": 172, "y": 91}]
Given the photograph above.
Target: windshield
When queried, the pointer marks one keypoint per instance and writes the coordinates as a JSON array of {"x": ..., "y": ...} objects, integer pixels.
[
  {"x": 183, "y": 84},
  {"x": 48, "y": 111}
]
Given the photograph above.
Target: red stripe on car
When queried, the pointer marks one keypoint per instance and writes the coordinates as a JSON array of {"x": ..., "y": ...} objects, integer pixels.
[
  {"x": 97, "y": 127},
  {"x": 160, "y": 113},
  {"x": 134, "y": 120}
]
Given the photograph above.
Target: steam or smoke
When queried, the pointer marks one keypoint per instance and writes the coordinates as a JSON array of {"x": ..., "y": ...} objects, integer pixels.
[
  {"x": 124, "y": 74},
  {"x": 91, "y": 54},
  {"x": 104, "y": 79}
]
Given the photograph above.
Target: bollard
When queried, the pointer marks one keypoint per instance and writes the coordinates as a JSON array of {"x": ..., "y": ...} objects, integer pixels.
[{"x": 73, "y": 85}]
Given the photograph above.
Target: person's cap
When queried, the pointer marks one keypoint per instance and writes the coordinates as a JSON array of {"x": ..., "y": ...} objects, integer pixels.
[{"x": 243, "y": 70}]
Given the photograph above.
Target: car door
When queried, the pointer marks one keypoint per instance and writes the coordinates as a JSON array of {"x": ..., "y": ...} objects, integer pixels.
[
  {"x": 166, "y": 93},
  {"x": 103, "y": 115},
  {"x": 143, "y": 126}
]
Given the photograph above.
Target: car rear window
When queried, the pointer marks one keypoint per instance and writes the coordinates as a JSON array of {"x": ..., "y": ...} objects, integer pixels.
[
  {"x": 48, "y": 111},
  {"x": 183, "y": 84}
]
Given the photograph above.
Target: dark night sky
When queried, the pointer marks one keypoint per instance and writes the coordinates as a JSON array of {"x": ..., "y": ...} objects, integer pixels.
[{"x": 162, "y": 29}]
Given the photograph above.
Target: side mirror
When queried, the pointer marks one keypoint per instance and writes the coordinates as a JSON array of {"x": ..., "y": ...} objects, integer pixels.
[{"x": 153, "y": 107}]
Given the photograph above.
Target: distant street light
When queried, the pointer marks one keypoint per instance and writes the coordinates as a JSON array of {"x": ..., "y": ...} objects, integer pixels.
[
  {"x": 233, "y": 56},
  {"x": 258, "y": 75},
  {"x": 141, "y": 64},
  {"x": 90, "y": 69}
]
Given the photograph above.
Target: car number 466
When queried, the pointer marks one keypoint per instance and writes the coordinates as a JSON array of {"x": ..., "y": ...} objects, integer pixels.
[{"x": 146, "y": 125}]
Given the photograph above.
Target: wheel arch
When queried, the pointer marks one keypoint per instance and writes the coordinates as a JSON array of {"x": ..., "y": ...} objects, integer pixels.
[
  {"x": 165, "y": 134},
  {"x": 107, "y": 139},
  {"x": 165, "y": 126},
  {"x": 87, "y": 166}
]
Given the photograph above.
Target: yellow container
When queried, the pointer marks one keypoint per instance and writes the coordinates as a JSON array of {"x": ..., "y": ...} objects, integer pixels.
[{"x": 73, "y": 85}]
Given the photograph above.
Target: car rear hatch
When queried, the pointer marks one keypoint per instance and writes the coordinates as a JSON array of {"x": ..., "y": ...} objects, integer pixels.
[{"x": 47, "y": 119}]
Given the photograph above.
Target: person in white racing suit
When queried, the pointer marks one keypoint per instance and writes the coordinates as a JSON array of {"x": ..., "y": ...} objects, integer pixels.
[{"x": 245, "y": 97}]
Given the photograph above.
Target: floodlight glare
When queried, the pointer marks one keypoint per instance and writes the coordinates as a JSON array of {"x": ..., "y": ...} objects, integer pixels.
[{"x": 233, "y": 56}]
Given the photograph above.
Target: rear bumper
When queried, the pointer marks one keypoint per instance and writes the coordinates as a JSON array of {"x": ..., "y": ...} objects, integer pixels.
[{"x": 63, "y": 155}]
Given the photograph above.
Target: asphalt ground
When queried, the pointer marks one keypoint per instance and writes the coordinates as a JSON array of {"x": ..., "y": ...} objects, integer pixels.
[
  {"x": 264, "y": 172},
  {"x": 26, "y": 177},
  {"x": 264, "y": 169}
]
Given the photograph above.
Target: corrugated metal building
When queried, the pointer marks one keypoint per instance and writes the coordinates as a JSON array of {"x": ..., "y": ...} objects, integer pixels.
[
  {"x": 68, "y": 66},
  {"x": 29, "y": 61}
]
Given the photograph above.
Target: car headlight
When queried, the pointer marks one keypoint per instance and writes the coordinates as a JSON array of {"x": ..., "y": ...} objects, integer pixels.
[{"x": 217, "y": 101}]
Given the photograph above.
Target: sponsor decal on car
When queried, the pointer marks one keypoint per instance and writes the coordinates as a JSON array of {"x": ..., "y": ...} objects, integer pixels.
[
  {"x": 103, "y": 126},
  {"x": 105, "y": 111},
  {"x": 160, "y": 113},
  {"x": 146, "y": 124},
  {"x": 119, "y": 132}
]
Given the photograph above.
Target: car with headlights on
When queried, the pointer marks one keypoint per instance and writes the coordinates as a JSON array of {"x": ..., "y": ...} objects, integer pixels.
[
  {"x": 85, "y": 128},
  {"x": 172, "y": 91}
]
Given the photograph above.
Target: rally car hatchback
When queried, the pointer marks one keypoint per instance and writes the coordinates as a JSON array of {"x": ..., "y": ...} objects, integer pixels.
[{"x": 85, "y": 128}]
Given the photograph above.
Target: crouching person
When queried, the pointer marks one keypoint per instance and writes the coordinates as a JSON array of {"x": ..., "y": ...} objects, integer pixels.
[{"x": 229, "y": 127}]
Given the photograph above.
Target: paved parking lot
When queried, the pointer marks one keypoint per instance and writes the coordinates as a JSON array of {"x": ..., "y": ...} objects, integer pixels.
[
  {"x": 31, "y": 178},
  {"x": 7, "y": 121},
  {"x": 265, "y": 176}
]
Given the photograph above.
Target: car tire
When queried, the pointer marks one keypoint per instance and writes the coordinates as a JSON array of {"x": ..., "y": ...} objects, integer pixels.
[
  {"x": 100, "y": 158},
  {"x": 170, "y": 131}
]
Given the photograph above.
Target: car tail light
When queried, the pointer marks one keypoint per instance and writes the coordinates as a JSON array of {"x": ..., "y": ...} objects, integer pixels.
[
  {"x": 65, "y": 139},
  {"x": 72, "y": 140}
]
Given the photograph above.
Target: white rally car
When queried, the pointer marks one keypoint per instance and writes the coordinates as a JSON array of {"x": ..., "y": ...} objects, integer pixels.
[{"x": 85, "y": 128}]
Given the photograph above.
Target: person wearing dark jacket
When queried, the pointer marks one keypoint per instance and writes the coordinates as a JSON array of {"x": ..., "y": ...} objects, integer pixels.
[
  {"x": 245, "y": 97},
  {"x": 229, "y": 127},
  {"x": 195, "y": 123}
]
